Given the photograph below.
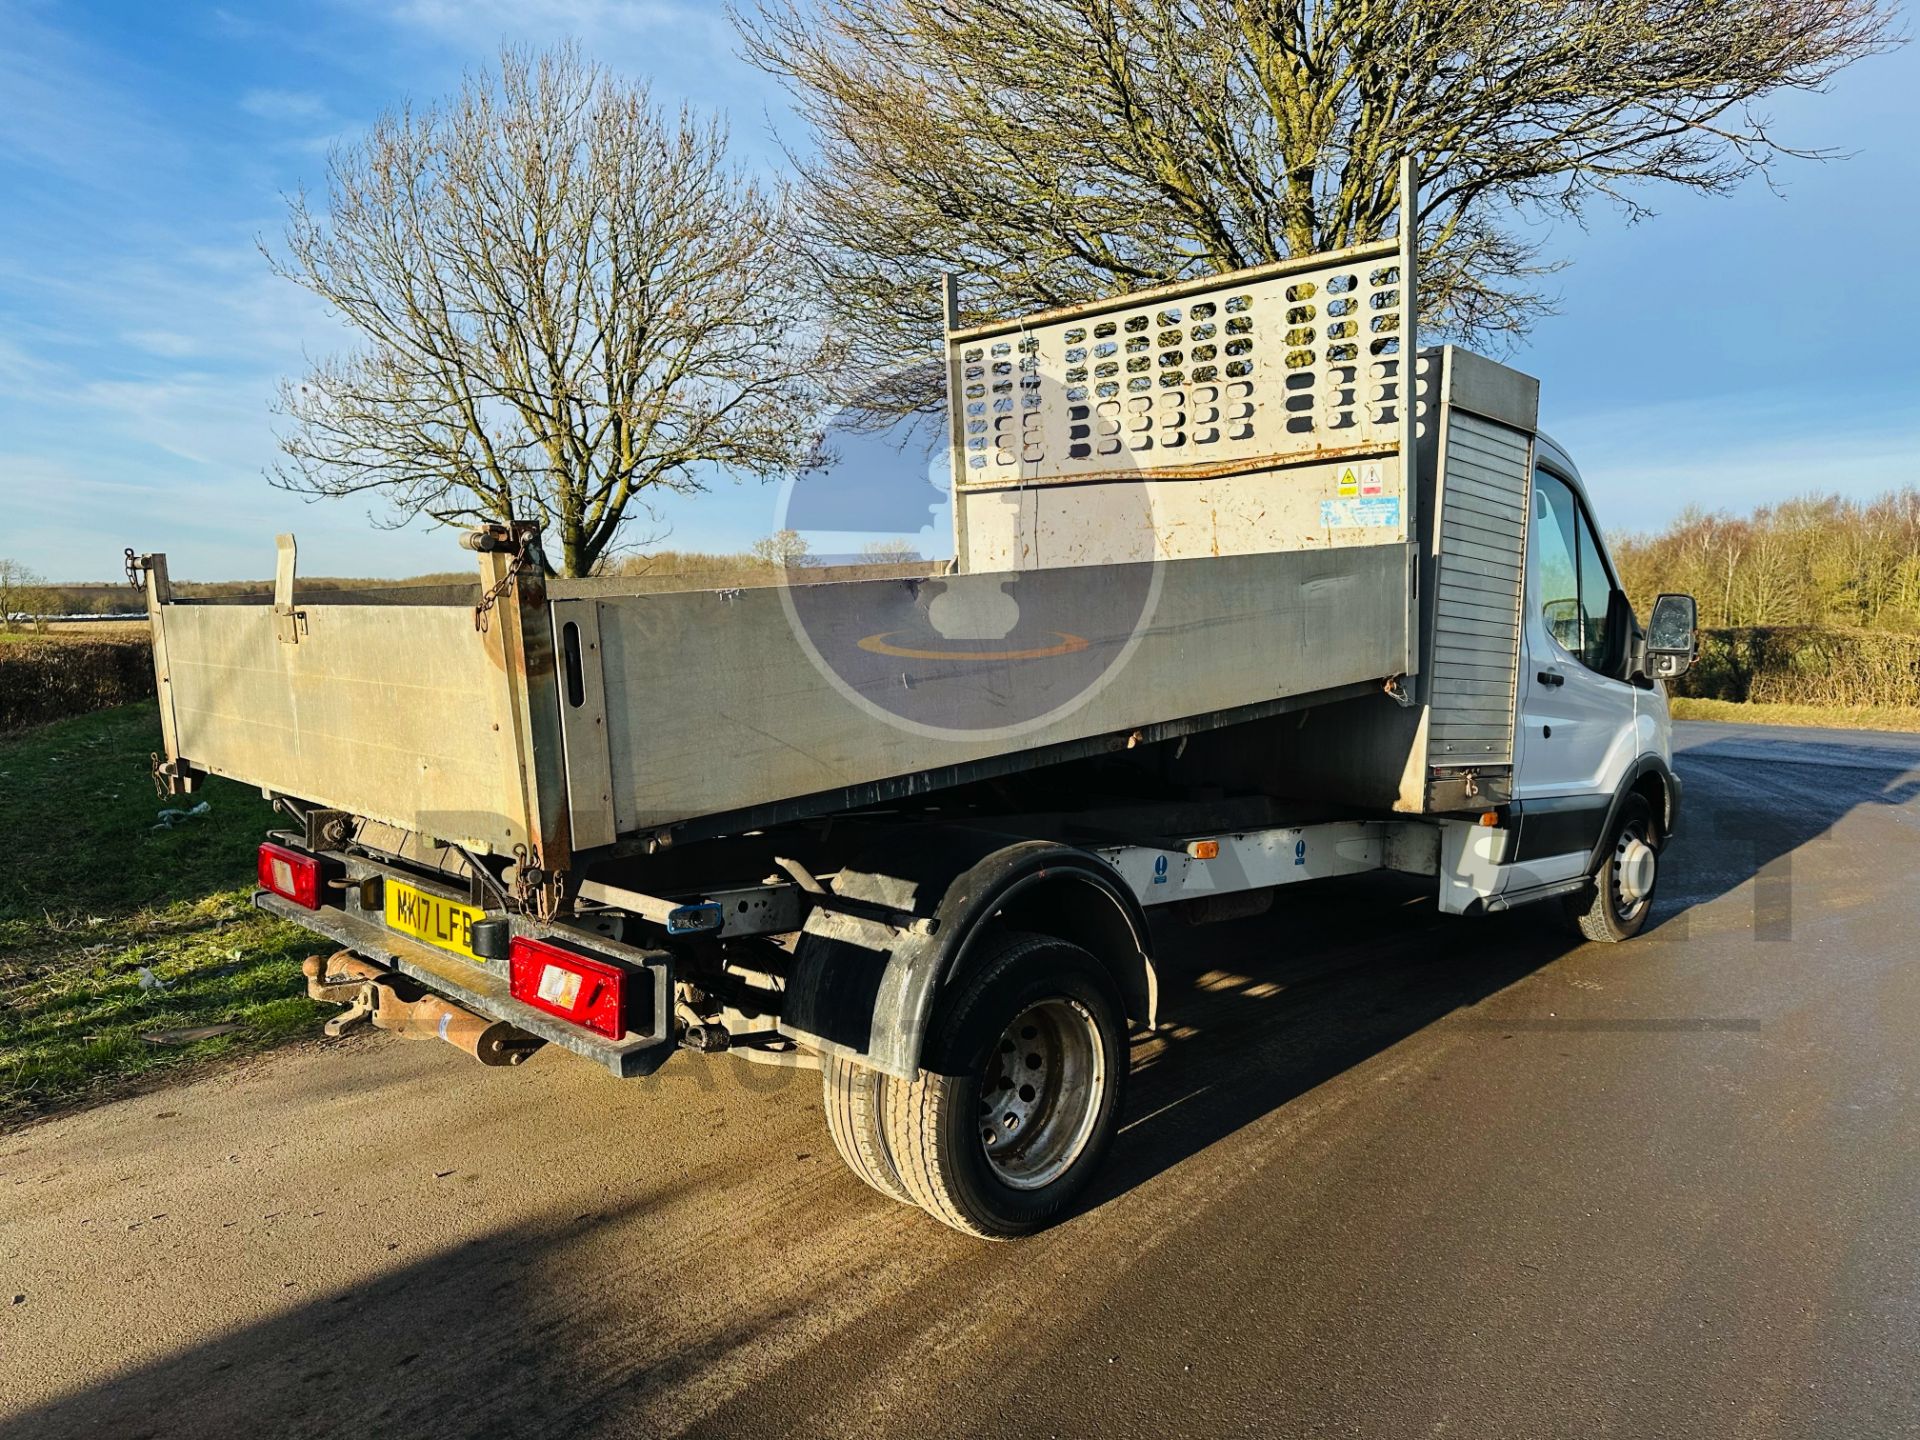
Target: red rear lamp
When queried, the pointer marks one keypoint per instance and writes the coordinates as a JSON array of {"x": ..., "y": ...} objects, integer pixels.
[
  {"x": 576, "y": 987},
  {"x": 290, "y": 875}
]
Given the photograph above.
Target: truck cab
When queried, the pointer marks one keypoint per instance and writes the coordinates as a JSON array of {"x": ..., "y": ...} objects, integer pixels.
[{"x": 1592, "y": 728}]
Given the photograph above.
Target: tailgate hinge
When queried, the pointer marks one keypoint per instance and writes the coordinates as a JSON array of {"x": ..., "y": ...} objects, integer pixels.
[{"x": 174, "y": 777}]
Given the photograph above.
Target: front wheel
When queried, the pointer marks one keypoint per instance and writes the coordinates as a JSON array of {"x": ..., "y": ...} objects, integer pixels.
[
  {"x": 1616, "y": 906},
  {"x": 1032, "y": 1052}
]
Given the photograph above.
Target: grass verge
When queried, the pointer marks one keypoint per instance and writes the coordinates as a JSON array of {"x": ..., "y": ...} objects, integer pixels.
[
  {"x": 94, "y": 890},
  {"x": 1837, "y": 717}
]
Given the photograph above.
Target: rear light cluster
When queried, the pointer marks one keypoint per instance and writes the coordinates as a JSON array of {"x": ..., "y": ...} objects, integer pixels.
[
  {"x": 549, "y": 976},
  {"x": 576, "y": 987},
  {"x": 290, "y": 875}
]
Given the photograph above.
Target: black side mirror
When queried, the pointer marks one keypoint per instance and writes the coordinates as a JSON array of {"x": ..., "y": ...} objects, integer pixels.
[
  {"x": 1672, "y": 637},
  {"x": 1619, "y": 636}
]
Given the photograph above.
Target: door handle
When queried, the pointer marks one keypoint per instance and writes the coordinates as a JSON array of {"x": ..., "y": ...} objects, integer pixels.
[{"x": 1551, "y": 677}]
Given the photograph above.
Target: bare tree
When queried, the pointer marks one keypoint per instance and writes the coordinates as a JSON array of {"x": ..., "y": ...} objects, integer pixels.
[
  {"x": 889, "y": 552},
  {"x": 1057, "y": 149},
  {"x": 567, "y": 300},
  {"x": 783, "y": 550},
  {"x": 23, "y": 596}
]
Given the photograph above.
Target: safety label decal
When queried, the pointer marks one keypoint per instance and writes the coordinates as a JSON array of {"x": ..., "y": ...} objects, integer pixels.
[{"x": 1360, "y": 512}]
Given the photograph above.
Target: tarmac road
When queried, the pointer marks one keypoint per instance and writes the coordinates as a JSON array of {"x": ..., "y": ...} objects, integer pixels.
[{"x": 1392, "y": 1174}]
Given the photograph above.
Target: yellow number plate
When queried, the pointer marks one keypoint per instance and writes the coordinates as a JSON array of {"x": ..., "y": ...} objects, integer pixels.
[{"x": 444, "y": 923}]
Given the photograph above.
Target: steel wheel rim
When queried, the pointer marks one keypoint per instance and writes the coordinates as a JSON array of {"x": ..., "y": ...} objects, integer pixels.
[
  {"x": 1633, "y": 872},
  {"x": 1041, "y": 1093}
]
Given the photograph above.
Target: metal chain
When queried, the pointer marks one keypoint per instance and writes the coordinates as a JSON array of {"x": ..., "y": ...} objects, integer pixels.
[
  {"x": 500, "y": 587},
  {"x": 539, "y": 892}
]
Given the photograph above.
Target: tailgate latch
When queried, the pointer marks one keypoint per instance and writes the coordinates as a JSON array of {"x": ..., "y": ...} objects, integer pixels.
[{"x": 287, "y": 621}]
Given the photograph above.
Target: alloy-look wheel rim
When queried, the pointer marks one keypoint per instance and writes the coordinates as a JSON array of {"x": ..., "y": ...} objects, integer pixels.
[{"x": 1040, "y": 1096}]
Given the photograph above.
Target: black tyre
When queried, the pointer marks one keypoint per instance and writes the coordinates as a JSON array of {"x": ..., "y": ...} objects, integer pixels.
[
  {"x": 1615, "y": 907},
  {"x": 853, "y": 1104},
  {"x": 1030, "y": 1051}
]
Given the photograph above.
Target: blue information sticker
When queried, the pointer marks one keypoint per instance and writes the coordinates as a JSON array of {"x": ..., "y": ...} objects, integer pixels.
[{"x": 1360, "y": 512}]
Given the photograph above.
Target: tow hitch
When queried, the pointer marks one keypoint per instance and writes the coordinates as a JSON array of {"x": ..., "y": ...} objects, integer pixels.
[{"x": 392, "y": 1001}]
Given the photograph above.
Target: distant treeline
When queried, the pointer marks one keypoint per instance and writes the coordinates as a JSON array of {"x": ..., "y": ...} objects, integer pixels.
[
  {"x": 785, "y": 550},
  {"x": 694, "y": 566},
  {"x": 123, "y": 599},
  {"x": 1821, "y": 560},
  {"x": 1813, "y": 601},
  {"x": 780, "y": 557}
]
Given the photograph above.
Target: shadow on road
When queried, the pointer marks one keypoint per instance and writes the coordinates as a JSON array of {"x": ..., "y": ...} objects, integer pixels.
[
  {"x": 1264, "y": 1010},
  {"x": 462, "y": 1342},
  {"x": 486, "y": 1337},
  {"x": 1260, "y": 1011}
]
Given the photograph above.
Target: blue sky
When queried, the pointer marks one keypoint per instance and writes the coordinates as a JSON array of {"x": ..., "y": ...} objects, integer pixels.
[{"x": 1728, "y": 352}]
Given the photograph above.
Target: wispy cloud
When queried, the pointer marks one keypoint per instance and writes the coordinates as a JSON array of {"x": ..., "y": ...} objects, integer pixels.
[
  {"x": 62, "y": 112},
  {"x": 198, "y": 417},
  {"x": 626, "y": 34},
  {"x": 633, "y": 37},
  {"x": 161, "y": 342},
  {"x": 19, "y": 368},
  {"x": 290, "y": 105},
  {"x": 70, "y": 519},
  {"x": 579, "y": 17}
]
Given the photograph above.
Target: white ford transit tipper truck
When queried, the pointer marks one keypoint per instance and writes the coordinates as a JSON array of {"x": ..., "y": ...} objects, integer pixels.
[{"x": 1247, "y": 592}]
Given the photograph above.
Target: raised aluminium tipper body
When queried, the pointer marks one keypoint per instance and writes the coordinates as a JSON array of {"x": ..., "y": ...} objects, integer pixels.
[{"x": 1247, "y": 591}]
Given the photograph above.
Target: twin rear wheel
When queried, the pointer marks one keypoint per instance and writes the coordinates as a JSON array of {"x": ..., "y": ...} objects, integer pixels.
[
  {"x": 1028, "y": 1056},
  {"x": 1001, "y": 1137}
]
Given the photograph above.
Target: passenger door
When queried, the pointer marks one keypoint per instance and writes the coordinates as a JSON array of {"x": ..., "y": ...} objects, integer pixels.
[{"x": 1576, "y": 709}]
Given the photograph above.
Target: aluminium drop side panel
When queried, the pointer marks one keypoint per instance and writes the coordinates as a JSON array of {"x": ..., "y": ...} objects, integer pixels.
[
  {"x": 721, "y": 701},
  {"x": 402, "y": 713}
]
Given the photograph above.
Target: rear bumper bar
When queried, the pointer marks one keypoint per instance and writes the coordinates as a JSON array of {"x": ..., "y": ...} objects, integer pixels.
[{"x": 478, "y": 989}]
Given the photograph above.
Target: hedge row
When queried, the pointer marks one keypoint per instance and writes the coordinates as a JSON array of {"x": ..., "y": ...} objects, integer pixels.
[
  {"x": 42, "y": 680},
  {"x": 1806, "y": 665}
]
